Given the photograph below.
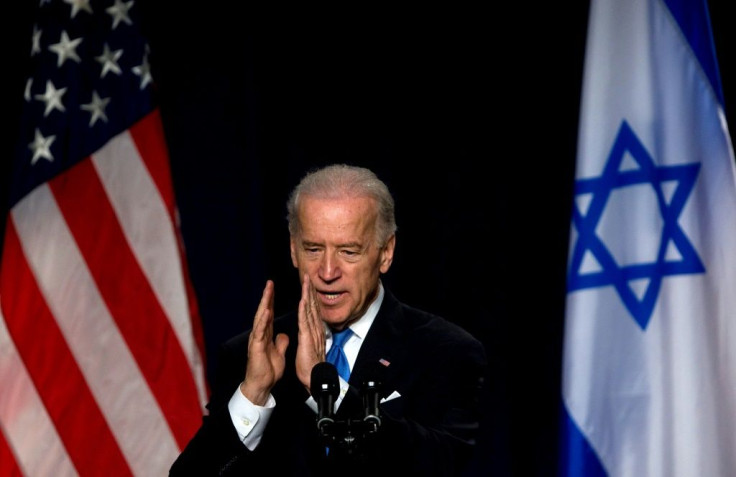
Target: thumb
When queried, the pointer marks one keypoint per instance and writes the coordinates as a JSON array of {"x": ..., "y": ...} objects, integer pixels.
[{"x": 282, "y": 341}]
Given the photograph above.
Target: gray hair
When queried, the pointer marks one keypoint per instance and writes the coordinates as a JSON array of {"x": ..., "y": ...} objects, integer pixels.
[{"x": 340, "y": 181}]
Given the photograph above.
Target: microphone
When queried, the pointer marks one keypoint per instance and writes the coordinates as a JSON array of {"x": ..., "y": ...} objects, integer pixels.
[
  {"x": 325, "y": 387},
  {"x": 371, "y": 398}
]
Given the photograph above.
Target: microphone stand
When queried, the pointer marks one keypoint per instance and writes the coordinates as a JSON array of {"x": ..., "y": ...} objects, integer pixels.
[{"x": 348, "y": 434}]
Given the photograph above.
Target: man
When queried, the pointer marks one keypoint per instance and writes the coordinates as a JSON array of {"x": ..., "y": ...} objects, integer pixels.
[{"x": 266, "y": 414}]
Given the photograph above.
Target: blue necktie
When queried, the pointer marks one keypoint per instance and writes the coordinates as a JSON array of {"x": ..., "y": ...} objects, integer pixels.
[{"x": 336, "y": 355}]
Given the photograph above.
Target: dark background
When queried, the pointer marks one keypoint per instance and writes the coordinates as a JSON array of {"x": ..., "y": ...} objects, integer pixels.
[{"x": 468, "y": 113}]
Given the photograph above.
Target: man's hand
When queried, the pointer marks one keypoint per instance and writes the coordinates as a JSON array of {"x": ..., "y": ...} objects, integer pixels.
[
  {"x": 311, "y": 347},
  {"x": 266, "y": 356}
]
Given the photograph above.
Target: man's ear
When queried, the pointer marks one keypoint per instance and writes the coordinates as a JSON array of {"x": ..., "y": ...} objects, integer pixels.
[
  {"x": 387, "y": 254},
  {"x": 292, "y": 248}
]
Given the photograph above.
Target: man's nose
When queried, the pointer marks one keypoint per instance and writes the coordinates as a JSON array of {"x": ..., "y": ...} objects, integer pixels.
[{"x": 329, "y": 268}]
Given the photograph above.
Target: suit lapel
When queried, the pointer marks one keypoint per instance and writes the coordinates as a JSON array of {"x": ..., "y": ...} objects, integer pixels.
[{"x": 382, "y": 355}]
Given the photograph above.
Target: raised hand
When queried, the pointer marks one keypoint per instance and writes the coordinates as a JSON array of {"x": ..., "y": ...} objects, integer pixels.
[
  {"x": 266, "y": 356},
  {"x": 311, "y": 347}
]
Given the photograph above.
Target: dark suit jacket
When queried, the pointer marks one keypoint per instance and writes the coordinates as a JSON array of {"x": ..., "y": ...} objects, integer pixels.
[{"x": 436, "y": 366}]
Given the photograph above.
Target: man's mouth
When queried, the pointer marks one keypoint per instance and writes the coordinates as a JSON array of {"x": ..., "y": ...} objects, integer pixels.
[{"x": 331, "y": 296}]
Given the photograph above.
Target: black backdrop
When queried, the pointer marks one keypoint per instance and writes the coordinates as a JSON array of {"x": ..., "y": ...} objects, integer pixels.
[{"x": 470, "y": 116}]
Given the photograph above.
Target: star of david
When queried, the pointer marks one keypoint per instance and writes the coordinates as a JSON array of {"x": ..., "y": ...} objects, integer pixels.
[{"x": 600, "y": 188}]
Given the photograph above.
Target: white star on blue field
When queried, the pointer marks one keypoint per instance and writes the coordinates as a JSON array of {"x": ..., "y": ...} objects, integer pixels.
[{"x": 600, "y": 188}]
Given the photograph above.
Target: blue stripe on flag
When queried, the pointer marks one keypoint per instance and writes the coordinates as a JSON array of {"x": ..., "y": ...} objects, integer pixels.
[
  {"x": 694, "y": 22},
  {"x": 576, "y": 456}
]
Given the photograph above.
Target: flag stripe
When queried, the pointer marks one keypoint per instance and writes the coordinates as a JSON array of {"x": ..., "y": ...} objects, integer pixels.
[
  {"x": 148, "y": 228},
  {"x": 52, "y": 367},
  {"x": 148, "y": 136},
  {"x": 161, "y": 252},
  {"x": 92, "y": 334},
  {"x": 694, "y": 20},
  {"x": 577, "y": 457},
  {"x": 21, "y": 410},
  {"x": 8, "y": 466},
  {"x": 134, "y": 307}
]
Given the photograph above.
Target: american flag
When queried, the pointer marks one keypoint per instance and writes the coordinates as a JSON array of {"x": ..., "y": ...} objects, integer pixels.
[{"x": 101, "y": 353}]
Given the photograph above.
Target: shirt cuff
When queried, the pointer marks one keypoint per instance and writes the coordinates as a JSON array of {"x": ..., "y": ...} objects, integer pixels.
[{"x": 249, "y": 419}]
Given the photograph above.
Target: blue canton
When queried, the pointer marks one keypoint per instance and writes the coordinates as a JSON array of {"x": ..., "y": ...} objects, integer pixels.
[{"x": 89, "y": 79}]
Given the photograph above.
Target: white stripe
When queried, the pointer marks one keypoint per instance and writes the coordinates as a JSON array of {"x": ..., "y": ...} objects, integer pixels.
[
  {"x": 107, "y": 364},
  {"x": 147, "y": 226},
  {"x": 29, "y": 430}
]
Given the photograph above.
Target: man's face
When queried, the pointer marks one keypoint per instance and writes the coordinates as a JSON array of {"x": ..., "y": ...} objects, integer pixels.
[{"x": 337, "y": 250}]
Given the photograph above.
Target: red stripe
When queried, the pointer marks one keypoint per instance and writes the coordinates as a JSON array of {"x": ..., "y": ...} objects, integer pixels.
[
  {"x": 148, "y": 136},
  {"x": 52, "y": 367},
  {"x": 129, "y": 296},
  {"x": 8, "y": 465}
]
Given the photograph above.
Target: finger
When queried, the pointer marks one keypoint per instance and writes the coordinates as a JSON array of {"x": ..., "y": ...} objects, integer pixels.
[
  {"x": 315, "y": 321},
  {"x": 309, "y": 298},
  {"x": 306, "y": 324},
  {"x": 303, "y": 308},
  {"x": 264, "y": 313},
  {"x": 310, "y": 307},
  {"x": 316, "y": 327}
]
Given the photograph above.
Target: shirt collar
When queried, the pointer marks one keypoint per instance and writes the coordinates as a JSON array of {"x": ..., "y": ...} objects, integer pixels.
[{"x": 361, "y": 326}]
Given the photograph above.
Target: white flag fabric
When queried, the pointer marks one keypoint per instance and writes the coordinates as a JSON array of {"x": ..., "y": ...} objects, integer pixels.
[{"x": 649, "y": 366}]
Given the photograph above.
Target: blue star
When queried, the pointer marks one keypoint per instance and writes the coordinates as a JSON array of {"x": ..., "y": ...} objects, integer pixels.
[{"x": 611, "y": 273}]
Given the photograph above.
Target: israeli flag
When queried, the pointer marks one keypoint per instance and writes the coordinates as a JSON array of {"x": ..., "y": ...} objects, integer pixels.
[{"x": 649, "y": 367}]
